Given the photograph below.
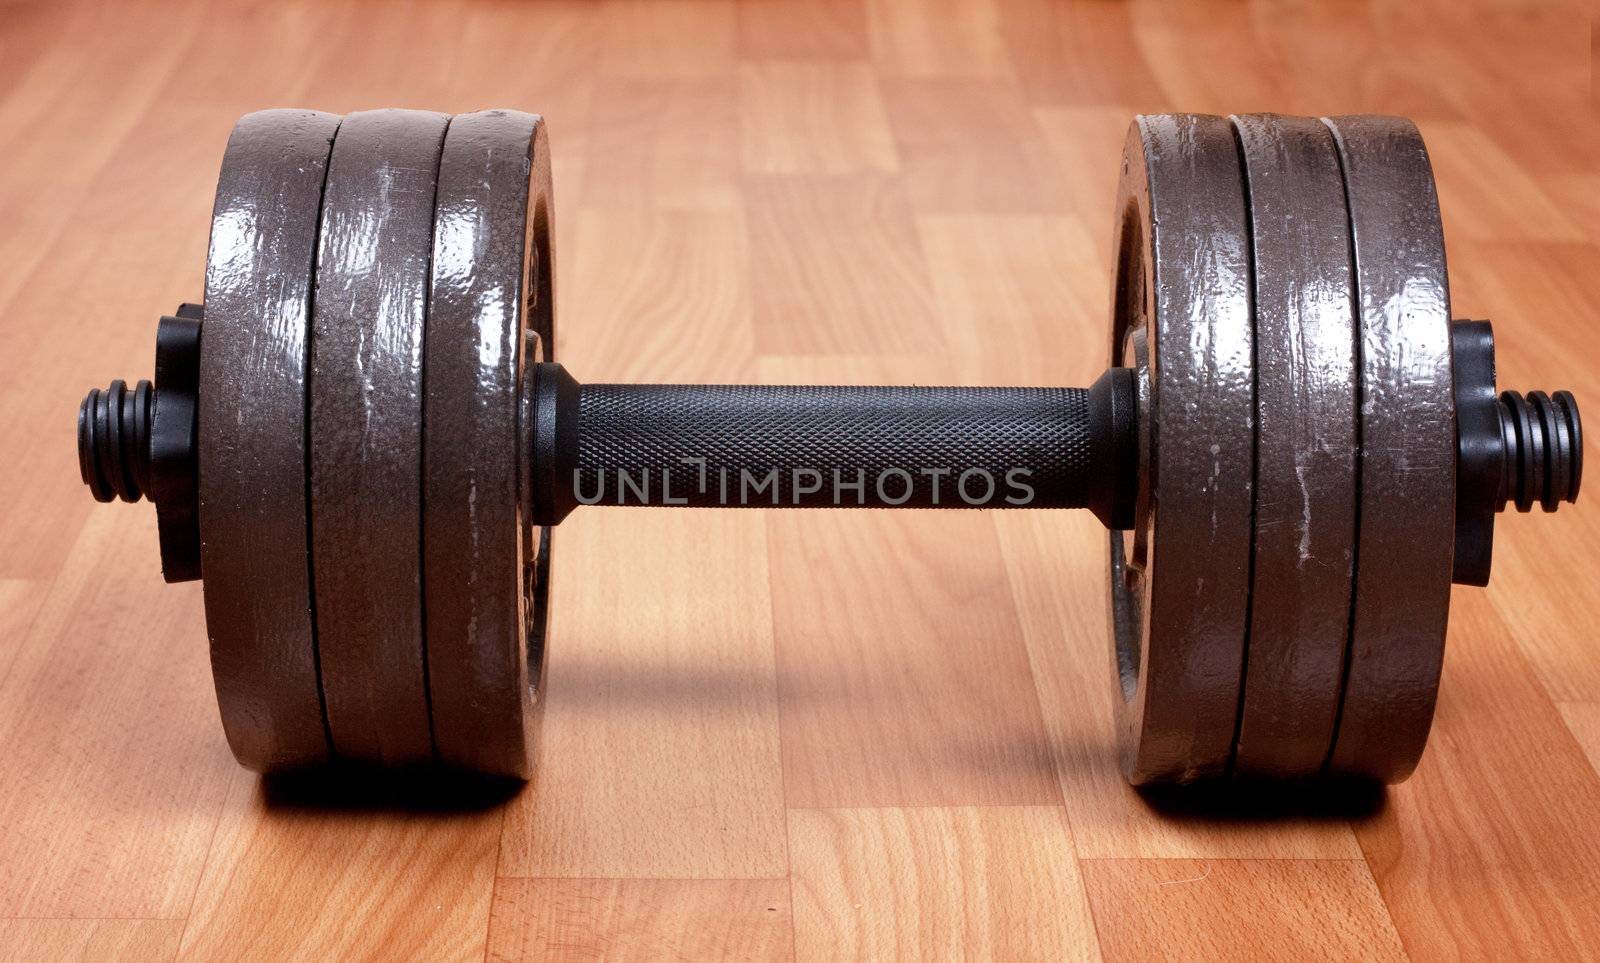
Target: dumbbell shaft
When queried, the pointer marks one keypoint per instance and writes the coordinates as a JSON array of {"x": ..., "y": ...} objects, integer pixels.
[
  {"x": 732, "y": 446},
  {"x": 815, "y": 446},
  {"x": 793, "y": 446}
]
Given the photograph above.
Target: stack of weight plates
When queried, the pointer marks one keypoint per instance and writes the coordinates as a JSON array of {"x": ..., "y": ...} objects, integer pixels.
[
  {"x": 1279, "y": 609},
  {"x": 376, "y": 287}
]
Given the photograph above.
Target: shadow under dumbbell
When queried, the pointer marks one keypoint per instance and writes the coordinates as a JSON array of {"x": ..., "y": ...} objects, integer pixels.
[
  {"x": 354, "y": 790},
  {"x": 1246, "y": 801}
]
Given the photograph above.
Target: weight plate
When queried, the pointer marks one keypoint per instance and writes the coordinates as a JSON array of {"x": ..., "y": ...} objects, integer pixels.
[
  {"x": 1406, "y": 510},
  {"x": 1180, "y": 580},
  {"x": 251, "y": 438},
  {"x": 1305, "y": 446},
  {"x": 366, "y": 433},
  {"x": 484, "y": 577}
]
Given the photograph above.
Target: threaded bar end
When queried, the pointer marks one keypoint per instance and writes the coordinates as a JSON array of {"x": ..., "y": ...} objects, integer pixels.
[
  {"x": 114, "y": 441},
  {"x": 1543, "y": 439}
]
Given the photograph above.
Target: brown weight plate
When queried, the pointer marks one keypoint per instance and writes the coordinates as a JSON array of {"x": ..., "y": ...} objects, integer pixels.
[
  {"x": 1305, "y": 446},
  {"x": 366, "y": 433},
  {"x": 1180, "y": 586},
  {"x": 1406, "y": 512},
  {"x": 251, "y": 420},
  {"x": 484, "y": 579}
]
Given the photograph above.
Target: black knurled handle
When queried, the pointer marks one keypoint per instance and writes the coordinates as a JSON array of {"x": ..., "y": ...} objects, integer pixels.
[
  {"x": 822, "y": 446},
  {"x": 826, "y": 446}
]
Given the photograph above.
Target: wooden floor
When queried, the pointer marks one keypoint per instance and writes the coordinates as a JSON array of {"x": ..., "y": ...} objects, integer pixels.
[{"x": 818, "y": 735}]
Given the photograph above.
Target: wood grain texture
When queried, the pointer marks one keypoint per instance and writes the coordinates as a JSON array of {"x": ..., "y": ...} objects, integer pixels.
[
  {"x": 1081, "y": 137},
  {"x": 813, "y": 118},
  {"x": 671, "y": 143},
  {"x": 1509, "y": 867},
  {"x": 820, "y": 734},
  {"x": 969, "y": 146},
  {"x": 88, "y": 941},
  {"x": 634, "y": 328},
  {"x": 357, "y": 869},
  {"x": 1003, "y": 301},
  {"x": 1583, "y": 718},
  {"x": 800, "y": 29},
  {"x": 936, "y": 38},
  {"x": 638, "y": 38},
  {"x": 113, "y": 773},
  {"x": 1485, "y": 196},
  {"x": 1005, "y": 886},
  {"x": 1249, "y": 909},
  {"x": 641, "y": 919},
  {"x": 898, "y": 690},
  {"x": 660, "y": 754},
  {"x": 895, "y": 688},
  {"x": 19, "y": 602},
  {"x": 834, "y": 267}
]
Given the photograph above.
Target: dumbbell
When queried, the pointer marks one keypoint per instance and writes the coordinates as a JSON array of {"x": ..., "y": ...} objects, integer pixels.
[{"x": 362, "y": 440}]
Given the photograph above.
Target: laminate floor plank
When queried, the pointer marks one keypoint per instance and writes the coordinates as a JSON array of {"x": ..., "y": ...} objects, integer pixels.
[
  {"x": 410, "y": 869},
  {"x": 88, "y": 940},
  {"x": 641, "y": 919},
  {"x": 1006, "y": 886},
  {"x": 114, "y": 765},
  {"x": 660, "y": 749},
  {"x": 1488, "y": 850},
  {"x": 1236, "y": 909},
  {"x": 902, "y": 676}
]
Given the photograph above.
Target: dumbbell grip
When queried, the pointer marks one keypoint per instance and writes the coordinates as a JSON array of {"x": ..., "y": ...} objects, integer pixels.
[{"x": 810, "y": 446}]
